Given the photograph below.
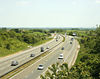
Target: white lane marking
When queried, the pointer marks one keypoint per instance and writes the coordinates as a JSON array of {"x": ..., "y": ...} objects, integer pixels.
[
  {"x": 46, "y": 60},
  {"x": 26, "y": 76},
  {"x": 50, "y": 66},
  {"x": 11, "y": 60},
  {"x": 36, "y": 61},
  {"x": 4, "y": 67},
  {"x": 25, "y": 51}
]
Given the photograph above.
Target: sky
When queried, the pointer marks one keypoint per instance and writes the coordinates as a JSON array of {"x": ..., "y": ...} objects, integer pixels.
[{"x": 49, "y": 13}]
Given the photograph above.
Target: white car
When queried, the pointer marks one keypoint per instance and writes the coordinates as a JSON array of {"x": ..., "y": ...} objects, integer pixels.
[
  {"x": 61, "y": 56},
  {"x": 40, "y": 67}
]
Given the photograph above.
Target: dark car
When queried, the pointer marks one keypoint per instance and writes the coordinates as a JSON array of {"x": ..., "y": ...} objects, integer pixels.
[
  {"x": 72, "y": 39},
  {"x": 56, "y": 39},
  {"x": 32, "y": 55},
  {"x": 47, "y": 47},
  {"x": 42, "y": 49},
  {"x": 14, "y": 63},
  {"x": 62, "y": 48},
  {"x": 70, "y": 42}
]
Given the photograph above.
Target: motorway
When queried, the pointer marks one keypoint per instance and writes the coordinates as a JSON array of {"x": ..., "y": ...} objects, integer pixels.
[
  {"x": 5, "y": 64},
  {"x": 69, "y": 52}
]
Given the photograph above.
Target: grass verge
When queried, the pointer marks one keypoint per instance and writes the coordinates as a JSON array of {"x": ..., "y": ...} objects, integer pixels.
[
  {"x": 63, "y": 39},
  {"x": 81, "y": 52},
  {"x": 22, "y": 48},
  {"x": 25, "y": 65},
  {"x": 41, "y": 42}
]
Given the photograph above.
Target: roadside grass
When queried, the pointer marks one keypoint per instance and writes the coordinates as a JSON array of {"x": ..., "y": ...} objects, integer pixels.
[
  {"x": 41, "y": 42},
  {"x": 63, "y": 39},
  {"x": 79, "y": 32},
  {"x": 25, "y": 65},
  {"x": 81, "y": 53},
  {"x": 23, "y": 47},
  {"x": 5, "y": 52}
]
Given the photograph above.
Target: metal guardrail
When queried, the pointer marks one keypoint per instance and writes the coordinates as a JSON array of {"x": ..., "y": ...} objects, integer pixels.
[{"x": 2, "y": 76}]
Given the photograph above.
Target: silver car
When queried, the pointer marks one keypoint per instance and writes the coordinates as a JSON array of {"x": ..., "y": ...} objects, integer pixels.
[
  {"x": 60, "y": 56},
  {"x": 14, "y": 63}
]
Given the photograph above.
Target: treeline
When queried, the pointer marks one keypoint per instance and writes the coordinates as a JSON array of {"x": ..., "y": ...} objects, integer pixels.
[
  {"x": 57, "y": 30},
  {"x": 12, "y": 40},
  {"x": 88, "y": 62},
  {"x": 82, "y": 33}
]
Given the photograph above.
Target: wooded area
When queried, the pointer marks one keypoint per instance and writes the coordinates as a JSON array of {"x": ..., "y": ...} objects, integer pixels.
[
  {"x": 14, "y": 40},
  {"x": 87, "y": 65}
]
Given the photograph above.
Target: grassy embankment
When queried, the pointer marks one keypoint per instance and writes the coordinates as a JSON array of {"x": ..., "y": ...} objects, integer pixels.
[
  {"x": 87, "y": 65},
  {"x": 82, "y": 50},
  {"x": 15, "y": 40},
  {"x": 23, "y": 47},
  {"x": 25, "y": 65}
]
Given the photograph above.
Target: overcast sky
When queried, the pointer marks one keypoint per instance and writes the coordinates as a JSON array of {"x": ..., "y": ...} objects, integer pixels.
[{"x": 49, "y": 13}]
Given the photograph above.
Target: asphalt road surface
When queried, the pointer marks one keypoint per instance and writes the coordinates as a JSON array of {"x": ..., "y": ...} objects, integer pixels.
[
  {"x": 5, "y": 64},
  {"x": 69, "y": 52}
]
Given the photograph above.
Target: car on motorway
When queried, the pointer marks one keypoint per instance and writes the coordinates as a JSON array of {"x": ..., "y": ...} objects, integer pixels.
[
  {"x": 14, "y": 63},
  {"x": 72, "y": 39},
  {"x": 60, "y": 56},
  {"x": 56, "y": 39},
  {"x": 47, "y": 47},
  {"x": 32, "y": 55},
  {"x": 62, "y": 48},
  {"x": 70, "y": 42},
  {"x": 42, "y": 49},
  {"x": 40, "y": 67}
]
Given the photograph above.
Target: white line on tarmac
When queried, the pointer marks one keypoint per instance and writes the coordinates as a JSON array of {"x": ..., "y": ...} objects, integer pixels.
[{"x": 34, "y": 63}]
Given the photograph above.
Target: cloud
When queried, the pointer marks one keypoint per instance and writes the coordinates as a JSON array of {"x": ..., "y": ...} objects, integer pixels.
[
  {"x": 23, "y": 3},
  {"x": 98, "y": 1}
]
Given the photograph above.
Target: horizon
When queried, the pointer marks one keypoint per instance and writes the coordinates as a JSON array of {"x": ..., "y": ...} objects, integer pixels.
[
  {"x": 53, "y": 13},
  {"x": 49, "y": 27}
]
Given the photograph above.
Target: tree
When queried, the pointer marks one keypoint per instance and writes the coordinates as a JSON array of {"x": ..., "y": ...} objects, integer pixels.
[
  {"x": 8, "y": 46},
  {"x": 88, "y": 66},
  {"x": 97, "y": 46},
  {"x": 57, "y": 71}
]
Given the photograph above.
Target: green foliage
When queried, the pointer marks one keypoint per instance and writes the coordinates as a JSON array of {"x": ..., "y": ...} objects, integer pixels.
[
  {"x": 13, "y": 40},
  {"x": 70, "y": 33},
  {"x": 89, "y": 55},
  {"x": 56, "y": 71},
  {"x": 57, "y": 30},
  {"x": 87, "y": 65}
]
